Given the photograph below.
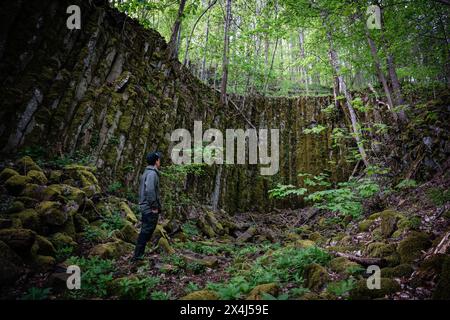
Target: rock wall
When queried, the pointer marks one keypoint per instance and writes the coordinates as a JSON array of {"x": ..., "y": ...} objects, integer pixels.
[{"x": 108, "y": 91}]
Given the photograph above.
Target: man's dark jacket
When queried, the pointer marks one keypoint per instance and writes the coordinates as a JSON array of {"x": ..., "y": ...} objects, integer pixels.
[{"x": 149, "y": 188}]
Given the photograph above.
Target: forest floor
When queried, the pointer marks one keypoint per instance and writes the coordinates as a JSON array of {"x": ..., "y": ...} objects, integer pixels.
[{"x": 286, "y": 254}]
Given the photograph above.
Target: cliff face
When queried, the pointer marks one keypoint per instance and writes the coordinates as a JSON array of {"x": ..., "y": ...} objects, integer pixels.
[{"x": 109, "y": 92}]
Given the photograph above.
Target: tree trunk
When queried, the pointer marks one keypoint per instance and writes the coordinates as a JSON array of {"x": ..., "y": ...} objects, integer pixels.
[
  {"x": 226, "y": 51},
  {"x": 175, "y": 37}
]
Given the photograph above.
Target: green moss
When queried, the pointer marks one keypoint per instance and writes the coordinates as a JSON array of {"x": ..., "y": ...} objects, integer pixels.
[
  {"x": 60, "y": 240},
  {"x": 44, "y": 246},
  {"x": 111, "y": 250},
  {"x": 362, "y": 292},
  {"x": 37, "y": 177},
  {"x": 388, "y": 223},
  {"x": 26, "y": 164},
  {"x": 315, "y": 276},
  {"x": 16, "y": 184},
  {"x": 379, "y": 249},
  {"x": 201, "y": 295},
  {"x": 258, "y": 292},
  {"x": 343, "y": 265},
  {"x": 51, "y": 213},
  {"x": 7, "y": 173},
  {"x": 18, "y": 239},
  {"x": 303, "y": 244},
  {"x": 403, "y": 270},
  {"x": 442, "y": 291},
  {"x": 364, "y": 225},
  {"x": 44, "y": 263},
  {"x": 55, "y": 176},
  {"x": 16, "y": 206},
  {"x": 129, "y": 214},
  {"x": 129, "y": 234},
  {"x": 29, "y": 219},
  {"x": 411, "y": 248},
  {"x": 164, "y": 245}
]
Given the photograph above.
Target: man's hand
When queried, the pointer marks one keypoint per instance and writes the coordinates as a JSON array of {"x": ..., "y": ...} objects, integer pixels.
[{"x": 155, "y": 210}]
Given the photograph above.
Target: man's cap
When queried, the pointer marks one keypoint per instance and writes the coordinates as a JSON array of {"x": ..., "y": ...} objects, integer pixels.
[{"x": 152, "y": 157}]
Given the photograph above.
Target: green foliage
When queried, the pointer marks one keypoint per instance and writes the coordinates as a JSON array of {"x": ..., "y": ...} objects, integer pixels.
[
  {"x": 439, "y": 196},
  {"x": 298, "y": 292},
  {"x": 160, "y": 295},
  {"x": 136, "y": 288},
  {"x": 190, "y": 229},
  {"x": 35, "y": 293},
  {"x": 191, "y": 287},
  {"x": 283, "y": 191},
  {"x": 115, "y": 187},
  {"x": 112, "y": 222},
  {"x": 341, "y": 288},
  {"x": 62, "y": 253},
  {"x": 93, "y": 234},
  {"x": 95, "y": 276},
  {"x": 268, "y": 296},
  {"x": 406, "y": 184},
  {"x": 316, "y": 130}
]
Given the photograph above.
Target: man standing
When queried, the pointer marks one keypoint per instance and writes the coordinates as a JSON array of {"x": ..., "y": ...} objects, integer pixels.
[{"x": 149, "y": 202}]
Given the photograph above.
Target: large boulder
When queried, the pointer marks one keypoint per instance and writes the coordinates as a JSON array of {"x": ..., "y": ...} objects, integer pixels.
[
  {"x": 362, "y": 292},
  {"x": 112, "y": 250},
  {"x": 201, "y": 295},
  {"x": 258, "y": 292},
  {"x": 86, "y": 178},
  {"x": 29, "y": 219},
  {"x": 127, "y": 212},
  {"x": 60, "y": 240},
  {"x": 343, "y": 265},
  {"x": 16, "y": 184},
  {"x": 64, "y": 192},
  {"x": 37, "y": 177},
  {"x": 412, "y": 246},
  {"x": 128, "y": 233},
  {"x": 52, "y": 213},
  {"x": 20, "y": 240},
  {"x": 27, "y": 164},
  {"x": 7, "y": 173},
  {"x": 42, "y": 246},
  {"x": 10, "y": 265},
  {"x": 315, "y": 276}
]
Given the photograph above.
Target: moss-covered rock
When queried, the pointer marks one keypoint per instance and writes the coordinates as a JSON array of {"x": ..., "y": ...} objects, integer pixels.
[
  {"x": 43, "y": 246},
  {"x": 7, "y": 173},
  {"x": 52, "y": 213},
  {"x": 60, "y": 240},
  {"x": 29, "y": 219},
  {"x": 81, "y": 223},
  {"x": 258, "y": 292},
  {"x": 402, "y": 270},
  {"x": 201, "y": 295},
  {"x": 362, "y": 292},
  {"x": 303, "y": 244},
  {"x": 379, "y": 249},
  {"x": 111, "y": 250},
  {"x": 27, "y": 164},
  {"x": 64, "y": 192},
  {"x": 128, "y": 233},
  {"x": 44, "y": 263},
  {"x": 204, "y": 226},
  {"x": 315, "y": 276},
  {"x": 55, "y": 176},
  {"x": 33, "y": 191},
  {"x": 10, "y": 265},
  {"x": 16, "y": 184},
  {"x": 365, "y": 225},
  {"x": 37, "y": 177},
  {"x": 16, "y": 206},
  {"x": 165, "y": 246},
  {"x": 388, "y": 223},
  {"x": 214, "y": 223},
  {"x": 442, "y": 291},
  {"x": 411, "y": 247},
  {"x": 20, "y": 240},
  {"x": 127, "y": 212},
  {"x": 248, "y": 234},
  {"x": 343, "y": 265}
]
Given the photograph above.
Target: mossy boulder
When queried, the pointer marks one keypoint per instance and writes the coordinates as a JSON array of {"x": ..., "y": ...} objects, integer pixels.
[
  {"x": 214, "y": 223},
  {"x": 402, "y": 270},
  {"x": 442, "y": 291},
  {"x": 388, "y": 223},
  {"x": 16, "y": 206},
  {"x": 55, "y": 176},
  {"x": 362, "y": 292},
  {"x": 52, "y": 213},
  {"x": 207, "y": 261},
  {"x": 343, "y": 265},
  {"x": 10, "y": 265},
  {"x": 127, "y": 212},
  {"x": 37, "y": 177},
  {"x": 112, "y": 250},
  {"x": 258, "y": 292},
  {"x": 60, "y": 240},
  {"x": 64, "y": 192},
  {"x": 365, "y": 225},
  {"x": 27, "y": 164},
  {"x": 129, "y": 234},
  {"x": 412, "y": 246},
  {"x": 380, "y": 249},
  {"x": 16, "y": 184},
  {"x": 20, "y": 240},
  {"x": 29, "y": 219},
  {"x": 80, "y": 222},
  {"x": 205, "y": 227},
  {"x": 7, "y": 173},
  {"x": 303, "y": 244},
  {"x": 86, "y": 178},
  {"x": 33, "y": 191},
  {"x": 315, "y": 276},
  {"x": 44, "y": 263},
  {"x": 201, "y": 295},
  {"x": 248, "y": 234},
  {"x": 316, "y": 237},
  {"x": 165, "y": 246},
  {"x": 43, "y": 246}
]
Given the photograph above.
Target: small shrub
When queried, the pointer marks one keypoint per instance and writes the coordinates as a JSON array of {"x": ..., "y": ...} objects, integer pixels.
[{"x": 35, "y": 293}]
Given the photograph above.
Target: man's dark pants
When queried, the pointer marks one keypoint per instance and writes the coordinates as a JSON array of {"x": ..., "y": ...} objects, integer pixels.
[{"x": 149, "y": 222}]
